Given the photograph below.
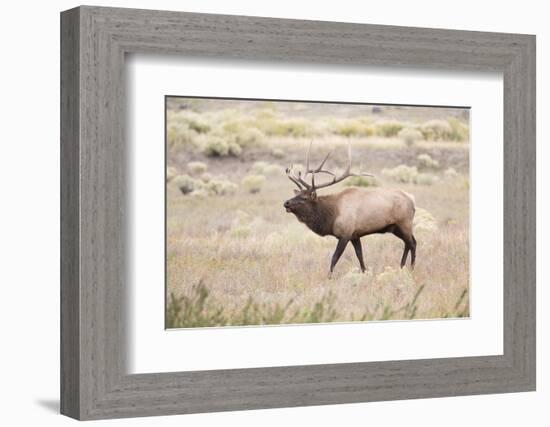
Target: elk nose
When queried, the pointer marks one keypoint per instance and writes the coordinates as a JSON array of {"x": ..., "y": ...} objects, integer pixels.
[{"x": 286, "y": 204}]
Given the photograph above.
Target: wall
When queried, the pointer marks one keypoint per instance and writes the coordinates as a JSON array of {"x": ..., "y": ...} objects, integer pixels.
[{"x": 29, "y": 168}]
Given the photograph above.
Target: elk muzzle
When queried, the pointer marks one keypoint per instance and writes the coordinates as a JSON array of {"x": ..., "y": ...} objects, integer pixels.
[{"x": 287, "y": 206}]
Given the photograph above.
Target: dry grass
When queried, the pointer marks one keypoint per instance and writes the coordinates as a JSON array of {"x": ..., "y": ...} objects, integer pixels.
[{"x": 241, "y": 259}]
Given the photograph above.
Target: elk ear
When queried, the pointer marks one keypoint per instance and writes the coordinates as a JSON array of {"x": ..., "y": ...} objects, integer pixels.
[{"x": 313, "y": 195}]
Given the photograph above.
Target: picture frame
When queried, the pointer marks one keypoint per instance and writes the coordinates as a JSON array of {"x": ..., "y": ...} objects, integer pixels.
[{"x": 94, "y": 268}]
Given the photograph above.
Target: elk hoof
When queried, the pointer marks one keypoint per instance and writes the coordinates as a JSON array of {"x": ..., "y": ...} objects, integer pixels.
[{"x": 329, "y": 275}]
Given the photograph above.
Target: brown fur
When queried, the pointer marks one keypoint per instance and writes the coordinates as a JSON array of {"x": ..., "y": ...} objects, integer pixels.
[{"x": 357, "y": 212}]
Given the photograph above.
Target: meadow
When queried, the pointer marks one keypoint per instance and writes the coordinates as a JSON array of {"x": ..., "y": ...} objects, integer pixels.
[{"x": 236, "y": 257}]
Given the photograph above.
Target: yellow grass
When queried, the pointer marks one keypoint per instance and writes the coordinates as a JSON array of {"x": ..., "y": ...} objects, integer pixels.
[{"x": 246, "y": 251}]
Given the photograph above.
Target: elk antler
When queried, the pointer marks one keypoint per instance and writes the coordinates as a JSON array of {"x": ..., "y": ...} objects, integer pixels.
[
  {"x": 347, "y": 173},
  {"x": 303, "y": 185}
]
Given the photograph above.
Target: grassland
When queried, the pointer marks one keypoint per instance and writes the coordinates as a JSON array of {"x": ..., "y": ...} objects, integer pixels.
[{"x": 235, "y": 257}]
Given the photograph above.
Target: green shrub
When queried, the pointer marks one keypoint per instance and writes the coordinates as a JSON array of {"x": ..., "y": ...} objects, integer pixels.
[
  {"x": 395, "y": 277},
  {"x": 402, "y": 173},
  {"x": 459, "y": 131},
  {"x": 200, "y": 193},
  {"x": 409, "y": 136},
  {"x": 265, "y": 168},
  {"x": 278, "y": 153},
  {"x": 388, "y": 128},
  {"x": 253, "y": 183},
  {"x": 437, "y": 130},
  {"x": 356, "y": 277},
  {"x": 197, "y": 168},
  {"x": 220, "y": 187},
  {"x": 215, "y": 146},
  {"x": 295, "y": 127},
  {"x": 186, "y": 184},
  {"x": 198, "y": 309},
  {"x": 450, "y": 173},
  {"x": 201, "y": 188},
  {"x": 250, "y": 137},
  {"x": 259, "y": 167},
  {"x": 424, "y": 221},
  {"x": 425, "y": 161},
  {"x": 206, "y": 177},
  {"x": 425, "y": 179},
  {"x": 409, "y": 175},
  {"x": 180, "y": 134},
  {"x": 232, "y": 126},
  {"x": 361, "y": 181},
  {"x": 352, "y": 127},
  {"x": 195, "y": 121},
  {"x": 235, "y": 149}
]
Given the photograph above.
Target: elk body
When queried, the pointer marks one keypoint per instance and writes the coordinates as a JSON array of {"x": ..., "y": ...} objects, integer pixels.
[{"x": 353, "y": 212}]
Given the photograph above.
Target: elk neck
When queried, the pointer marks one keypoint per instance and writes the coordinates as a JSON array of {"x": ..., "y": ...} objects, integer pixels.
[{"x": 320, "y": 215}]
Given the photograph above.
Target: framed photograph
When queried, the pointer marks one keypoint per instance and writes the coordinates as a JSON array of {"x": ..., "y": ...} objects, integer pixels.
[{"x": 261, "y": 213}]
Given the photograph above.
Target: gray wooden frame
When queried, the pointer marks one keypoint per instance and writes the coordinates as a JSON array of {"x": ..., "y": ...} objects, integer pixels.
[{"x": 94, "y": 41}]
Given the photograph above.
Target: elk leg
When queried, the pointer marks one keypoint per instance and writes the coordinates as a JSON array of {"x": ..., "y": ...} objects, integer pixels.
[
  {"x": 359, "y": 252},
  {"x": 405, "y": 253},
  {"x": 338, "y": 253},
  {"x": 399, "y": 233},
  {"x": 413, "y": 251}
]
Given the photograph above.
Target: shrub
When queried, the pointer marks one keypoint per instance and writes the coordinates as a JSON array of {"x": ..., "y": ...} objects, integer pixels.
[
  {"x": 296, "y": 127},
  {"x": 259, "y": 167},
  {"x": 362, "y": 181},
  {"x": 278, "y": 153},
  {"x": 395, "y": 277},
  {"x": 437, "y": 130},
  {"x": 409, "y": 175},
  {"x": 450, "y": 173},
  {"x": 219, "y": 146},
  {"x": 459, "y": 131},
  {"x": 265, "y": 168},
  {"x": 198, "y": 188},
  {"x": 216, "y": 146},
  {"x": 232, "y": 126},
  {"x": 186, "y": 184},
  {"x": 180, "y": 134},
  {"x": 355, "y": 277},
  {"x": 195, "y": 121},
  {"x": 352, "y": 127},
  {"x": 198, "y": 308},
  {"x": 206, "y": 177},
  {"x": 410, "y": 136},
  {"x": 171, "y": 173},
  {"x": 425, "y": 161},
  {"x": 250, "y": 137},
  {"x": 253, "y": 183},
  {"x": 234, "y": 149},
  {"x": 402, "y": 173},
  {"x": 425, "y": 179},
  {"x": 197, "y": 168},
  {"x": 201, "y": 193},
  {"x": 424, "y": 221},
  {"x": 388, "y": 128},
  {"x": 220, "y": 187}
]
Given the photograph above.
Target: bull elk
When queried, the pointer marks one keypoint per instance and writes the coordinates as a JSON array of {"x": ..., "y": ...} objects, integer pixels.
[{"x": 353, "y": 212}]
